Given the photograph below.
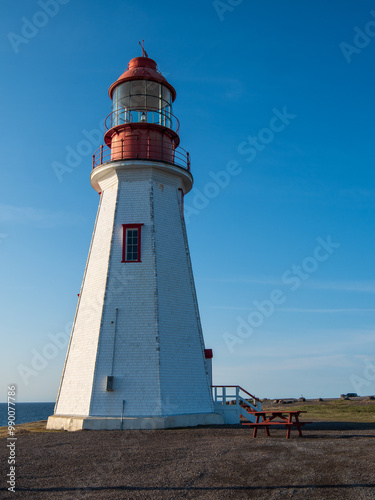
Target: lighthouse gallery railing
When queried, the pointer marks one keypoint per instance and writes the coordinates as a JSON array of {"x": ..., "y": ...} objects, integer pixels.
[{"x": 146, "y": 149}]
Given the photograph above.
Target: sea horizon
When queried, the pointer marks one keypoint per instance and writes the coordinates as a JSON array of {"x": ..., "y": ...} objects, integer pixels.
[{"x": 27, "y": 412}]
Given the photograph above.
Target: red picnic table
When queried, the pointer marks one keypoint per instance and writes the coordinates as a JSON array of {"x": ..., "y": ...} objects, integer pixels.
[{"x": 287, "y": 418}]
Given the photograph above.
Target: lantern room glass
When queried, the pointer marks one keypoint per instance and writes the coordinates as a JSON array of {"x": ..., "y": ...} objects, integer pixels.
[{"x": 142, "y": 101}]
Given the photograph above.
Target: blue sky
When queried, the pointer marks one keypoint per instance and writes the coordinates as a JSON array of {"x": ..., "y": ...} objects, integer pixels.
[{"x": 236, "y": 66}]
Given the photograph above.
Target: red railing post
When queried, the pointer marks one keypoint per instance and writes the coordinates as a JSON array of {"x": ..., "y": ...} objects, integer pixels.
[
  {"x": 148, "y": 147},
  {"x": 122, "y": 149},
  {"x": 188, "y": 161},
  {"x": 93, "y": 161},
  {"x": 173, "y": 151},
  {"x": 101, "y": 154}
]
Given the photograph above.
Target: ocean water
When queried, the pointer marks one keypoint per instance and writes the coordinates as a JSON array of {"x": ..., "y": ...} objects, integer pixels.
[{"x": 27, "y": 412}]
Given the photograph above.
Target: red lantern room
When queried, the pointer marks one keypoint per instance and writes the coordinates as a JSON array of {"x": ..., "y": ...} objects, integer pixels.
[{"x": 142, "y": 125}]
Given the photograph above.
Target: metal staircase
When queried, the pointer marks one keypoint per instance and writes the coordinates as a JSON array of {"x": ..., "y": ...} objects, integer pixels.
[{"x": 232, "y": 402}]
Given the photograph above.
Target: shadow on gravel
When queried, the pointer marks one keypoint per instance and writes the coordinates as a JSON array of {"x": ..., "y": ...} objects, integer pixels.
[
  {"x": 340, "y": 426},
  {"x": 329, "y": 427},
  {"x": 200, "y": 488}
]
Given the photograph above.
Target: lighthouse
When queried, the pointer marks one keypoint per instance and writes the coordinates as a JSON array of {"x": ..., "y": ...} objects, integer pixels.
[{"x": 136, "y": 357}]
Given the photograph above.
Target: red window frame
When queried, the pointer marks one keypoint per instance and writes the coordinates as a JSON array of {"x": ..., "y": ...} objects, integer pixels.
[{"x": 125, "y": 227}]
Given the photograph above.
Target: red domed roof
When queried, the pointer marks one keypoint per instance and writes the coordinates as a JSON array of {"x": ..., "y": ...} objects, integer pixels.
[{"x": 142, "y": 68}]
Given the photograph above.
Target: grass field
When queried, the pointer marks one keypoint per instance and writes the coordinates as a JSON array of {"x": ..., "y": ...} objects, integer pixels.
[
  {"x": 330, "y": 411},
  {"x": 360, "y": 411},
  {"x": 26, "y": 428}
]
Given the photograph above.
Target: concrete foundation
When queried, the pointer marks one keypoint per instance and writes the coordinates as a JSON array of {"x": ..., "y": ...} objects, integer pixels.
[{"x": 76, "y": 423}]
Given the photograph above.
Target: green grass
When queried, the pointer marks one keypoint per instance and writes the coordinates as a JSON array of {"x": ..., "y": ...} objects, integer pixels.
[
  {"x": 27, "y": 428},
  {"x": 322, "y": 411},
  {"x": 334, "y": 411}
]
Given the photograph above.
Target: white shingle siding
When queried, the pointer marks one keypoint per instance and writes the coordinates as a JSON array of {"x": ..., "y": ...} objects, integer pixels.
[
  {"x": 76, "y": 384},
  {"x": 157, "y": 353}
]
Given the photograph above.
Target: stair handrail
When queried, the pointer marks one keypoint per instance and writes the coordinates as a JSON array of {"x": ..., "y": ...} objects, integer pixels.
[{"x": 241, "y": 389}]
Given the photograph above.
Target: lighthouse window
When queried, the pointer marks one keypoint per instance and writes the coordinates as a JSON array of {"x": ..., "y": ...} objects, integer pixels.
[
  {"x": 131, "y": 244},
  {"x": 138, "y": 94},
  {"x": 141, "y": 100},
  {"x": 153, "y": 95},
  {"x": 131, "y": 248}
]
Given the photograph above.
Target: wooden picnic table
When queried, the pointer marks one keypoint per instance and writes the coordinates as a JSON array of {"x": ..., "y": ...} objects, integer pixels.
[{"x": 265, "y": 419}]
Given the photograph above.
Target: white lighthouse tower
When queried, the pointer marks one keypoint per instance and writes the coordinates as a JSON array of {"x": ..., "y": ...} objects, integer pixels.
[{"x": 136, "y": 357}]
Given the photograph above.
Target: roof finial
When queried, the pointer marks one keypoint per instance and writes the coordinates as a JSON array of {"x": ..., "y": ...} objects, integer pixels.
[{"x": 144, "y": 53}]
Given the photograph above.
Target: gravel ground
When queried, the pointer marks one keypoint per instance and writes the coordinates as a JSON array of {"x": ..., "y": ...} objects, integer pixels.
[{"x": 329, "y": 461}]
